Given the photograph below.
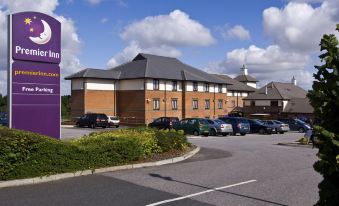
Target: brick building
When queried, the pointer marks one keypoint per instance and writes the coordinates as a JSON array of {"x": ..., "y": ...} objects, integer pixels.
[
  {"x": 236, "y": 92},
  {"x": 278, "y": 100},
  {"x": 148, "y": 87}
]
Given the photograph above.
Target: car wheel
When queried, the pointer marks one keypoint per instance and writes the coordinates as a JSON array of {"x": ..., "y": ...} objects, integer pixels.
[
  {"x": 261, "y": 131},
  {"x": 301, "y": 130},
  {"x": 234, "y": 134},
  {"x": 116, "y": 126},
  {"x": 77, "y": 124},
  {"x": 224, "y": 134},
  {"x": 281, "y": 132},
  {"x": 242, "y": 134},
  {"x": 213, "y": 132},
  {"x": 205, "y": 134},
  {"x": 103, "y": 127},
  {"x": 196, "y": 133},
  {"x": 93, "y": 126}
]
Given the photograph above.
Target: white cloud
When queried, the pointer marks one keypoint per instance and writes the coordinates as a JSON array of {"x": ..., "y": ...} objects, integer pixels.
[
  {"x": 299, "y": 26},
  {"x": 94, "y": 2},
  {"x": 162, "y": 35},
  {"x": 238, "y": 32},
  {"x": 266, "y": 64},
  {"x": 70, "y": 43},
  {"x": 103, "y": 20}
]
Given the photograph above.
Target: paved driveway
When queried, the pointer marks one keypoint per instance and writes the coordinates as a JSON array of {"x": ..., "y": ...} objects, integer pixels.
[
  {"x": 241, "y": 170},
  {"x": 71, "y": 132}
]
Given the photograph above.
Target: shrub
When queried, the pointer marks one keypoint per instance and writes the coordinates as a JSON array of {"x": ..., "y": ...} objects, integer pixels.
[
  {"x": 171, "y": 140},
  {"x": 25, "y": 154}
]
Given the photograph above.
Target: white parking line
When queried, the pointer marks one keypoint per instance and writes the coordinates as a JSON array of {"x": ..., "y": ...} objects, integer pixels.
[{"x": 200, "y": 193}]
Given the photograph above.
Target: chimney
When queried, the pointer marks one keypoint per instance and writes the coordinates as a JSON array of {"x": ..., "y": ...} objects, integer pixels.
[
  {"x": 294, "y": 81},
  {"x": 243, "y": 70}
]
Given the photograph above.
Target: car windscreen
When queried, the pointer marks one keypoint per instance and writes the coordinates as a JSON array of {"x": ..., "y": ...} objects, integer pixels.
[
  {"x": 257, "y": 122},
  {"x": 114, "y": 118},
  {"x": 299, "y": 121},
  {"x": 102, "y": 116},
  {"x": 219, "y": 121},
  {"x": 203, "y": 121},
  {"x": 243, "y": 120}
]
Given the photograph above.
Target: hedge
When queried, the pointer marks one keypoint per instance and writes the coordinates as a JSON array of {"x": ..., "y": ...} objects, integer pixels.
[{"x": 25, "y": 154}]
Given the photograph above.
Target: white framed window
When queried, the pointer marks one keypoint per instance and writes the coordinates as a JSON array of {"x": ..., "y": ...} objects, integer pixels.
[
  {"x": 207, "y": 104},
  {"x": 175, "y": 85},
  {"x": 220, "y": 103},
  {"x": 220, "y": 88},
  {"x": 174, "y": 103},
  {"x": 195, "y": 86},
  {"x": 207, "y": 87},
  {"x": 155, "y": 84},
  {"x": 156, "y": 104},
  {"x": 195, "y": 104}
]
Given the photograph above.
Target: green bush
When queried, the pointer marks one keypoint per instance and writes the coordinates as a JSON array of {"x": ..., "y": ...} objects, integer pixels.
[
  {"x": 25, "y": 154},
  {"x": 171, "y": 140}
]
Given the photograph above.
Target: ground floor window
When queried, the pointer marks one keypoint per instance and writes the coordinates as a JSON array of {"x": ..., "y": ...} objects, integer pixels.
[
  {"x": 195, "y": 104},
  {"x": 220, "y": 104},
  {"x": 156, "y": 104},
  {"x": 207, "y": 104},
  {"x": 174, "y": 103}
]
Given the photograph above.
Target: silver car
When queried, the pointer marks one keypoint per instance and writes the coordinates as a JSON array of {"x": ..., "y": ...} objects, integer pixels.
[
  {"x": 113, "y": 121},
  {"x": 279, "y": 126},
  {"x": 217, "y": 127}
]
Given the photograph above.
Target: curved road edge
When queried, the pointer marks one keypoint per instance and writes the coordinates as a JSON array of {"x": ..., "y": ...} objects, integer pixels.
[{"x": 37, "y": 180}]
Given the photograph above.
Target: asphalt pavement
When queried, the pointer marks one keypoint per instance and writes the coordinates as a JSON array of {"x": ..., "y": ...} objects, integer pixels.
[{"x": 233, "y": 170}]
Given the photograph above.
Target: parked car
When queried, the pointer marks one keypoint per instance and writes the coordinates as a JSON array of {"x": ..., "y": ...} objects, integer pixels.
[
  {"x": 3, "y": 119},
  {"x": 239, "y": 125},
  {"x": 218, "y": 127},
  {"x": 195, "y": 126},
  {"x": 296, "y": 125},
  {"x": 93, "y": 120},
  {"x": 257, "y": 126},
  {"x": 278, "y": 126},
  {"x": 164, "y": 122},
  {"x": 113, "y": 121}
]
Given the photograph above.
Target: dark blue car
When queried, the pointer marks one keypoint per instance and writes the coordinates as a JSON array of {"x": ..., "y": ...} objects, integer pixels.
[
  {"x": 3, "y": 119},
  {"x": 240, "y": 125}
]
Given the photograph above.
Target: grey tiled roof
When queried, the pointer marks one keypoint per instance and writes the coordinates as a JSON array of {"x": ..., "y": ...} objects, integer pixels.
[
  {"x": 151, "y": 66},
  {"x": 234, "y": 84},
  {"x": 246, "y": 78},
  {"x": 278, "y": 91},
  {"x": 299, "y": 105},
  {"x": 95, "y": 73},
  {"x": 160, "y": 67}
]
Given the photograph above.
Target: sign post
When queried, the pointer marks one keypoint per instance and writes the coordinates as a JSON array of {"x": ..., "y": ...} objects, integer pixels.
[{"x": 34, "y": 73}]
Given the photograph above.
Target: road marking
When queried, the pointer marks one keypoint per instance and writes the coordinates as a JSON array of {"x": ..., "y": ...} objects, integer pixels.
[{"x": 200, "y": 193}]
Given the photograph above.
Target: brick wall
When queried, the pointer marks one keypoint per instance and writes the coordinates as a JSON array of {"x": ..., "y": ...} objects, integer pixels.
[
  {"x": 131, "y": 106},
  {"x": 232, "y": 102},
  {"x": 213, "y": 112},
  {"x": 165, "y": 105},
  {"x": 100, "y": 101},
  {"x": 77, "y": 103}
]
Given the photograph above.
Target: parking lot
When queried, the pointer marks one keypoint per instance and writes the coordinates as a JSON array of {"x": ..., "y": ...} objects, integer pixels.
[{"x": 232, "y": 170}]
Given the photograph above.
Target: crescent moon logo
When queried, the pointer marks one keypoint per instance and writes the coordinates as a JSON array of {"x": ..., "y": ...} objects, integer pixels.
[{"x": 45, "y": 36}]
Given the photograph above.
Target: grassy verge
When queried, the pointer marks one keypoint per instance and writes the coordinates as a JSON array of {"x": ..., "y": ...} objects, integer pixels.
[{"x": 25, "y": 154}]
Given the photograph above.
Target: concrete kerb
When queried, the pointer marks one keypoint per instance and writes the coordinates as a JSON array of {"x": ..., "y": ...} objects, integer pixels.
[{"x": 37, "y": 180}]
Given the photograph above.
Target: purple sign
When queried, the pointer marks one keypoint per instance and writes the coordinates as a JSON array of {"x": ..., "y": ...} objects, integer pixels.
[
  {"x": 36, "y": 37},
  {"x": 34, "y": 83},
  {"x": 36, "y": 97}
]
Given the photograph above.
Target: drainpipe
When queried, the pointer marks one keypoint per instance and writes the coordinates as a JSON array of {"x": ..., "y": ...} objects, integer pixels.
[
  {"x": 214, "y": 103},
  {"x": 115, "y": 99},
  {"x": 165, "y": 97}
]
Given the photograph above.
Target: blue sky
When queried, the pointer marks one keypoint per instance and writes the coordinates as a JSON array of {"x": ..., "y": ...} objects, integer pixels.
[{"x": 275, "y": 39}]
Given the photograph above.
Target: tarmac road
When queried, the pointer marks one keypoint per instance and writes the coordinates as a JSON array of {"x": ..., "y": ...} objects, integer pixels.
[{"x": 233, "y": 170}]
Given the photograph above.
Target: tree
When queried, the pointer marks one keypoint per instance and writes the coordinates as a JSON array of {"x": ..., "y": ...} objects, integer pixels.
[
  {"x": 65, "y": 106},
  {"x": 324, "y": 98}
]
